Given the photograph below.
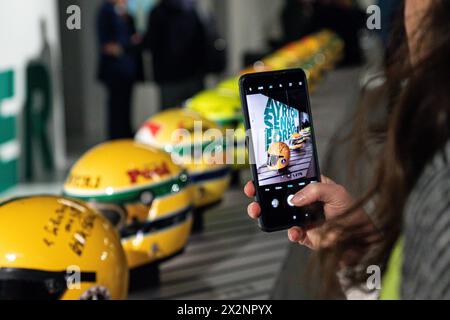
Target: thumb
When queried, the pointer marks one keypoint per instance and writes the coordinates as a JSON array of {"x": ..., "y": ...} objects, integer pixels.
[{"x": 317, "y": 192}]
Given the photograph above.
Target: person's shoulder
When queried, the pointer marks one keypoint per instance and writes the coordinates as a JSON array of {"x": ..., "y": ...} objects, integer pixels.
[
  {"x": 425, "y": 228},
  {"x": 436, "y": 171},
  {"x": 431, "y": 192},
  {"x": 441, "y": 159}
]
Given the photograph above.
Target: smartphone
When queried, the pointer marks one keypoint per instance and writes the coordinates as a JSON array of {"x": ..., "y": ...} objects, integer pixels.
[{"x": 281, "y": 145}]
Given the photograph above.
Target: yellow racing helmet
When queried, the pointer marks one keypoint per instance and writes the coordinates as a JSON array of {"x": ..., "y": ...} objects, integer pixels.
[
  {"x": 306, "y": 132},
  {"x": 296, "y": 50},
  {"x": 258, "y": 66},
  {"x": 278, "y": 156},
  {"x": 220, "y": 106},
  {"x": 241, "y": 155},
  {"x": 146, "y": 196},
  {"x": 230, "y": 86},
  {"x": 207, "y": 171},
  {"x": 297, "y": 141},
  {"x": 55, "y": 248},
  {"x": 277, "y": 61}
]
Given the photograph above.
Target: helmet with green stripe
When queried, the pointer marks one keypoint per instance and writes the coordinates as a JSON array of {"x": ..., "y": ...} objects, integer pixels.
[
  {"x": 142, "y": 192},
  {"x": 218, "y": 105},
  {"x": 207, "y": 170}
]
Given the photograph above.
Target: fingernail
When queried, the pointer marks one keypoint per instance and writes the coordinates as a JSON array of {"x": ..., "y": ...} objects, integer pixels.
[
  {"x": 295, "y": 235},
  {"x": 291, "y": 236},
  {"x": 298, "y": 198}
]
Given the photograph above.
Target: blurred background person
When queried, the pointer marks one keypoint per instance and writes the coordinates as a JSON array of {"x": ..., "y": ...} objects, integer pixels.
[
  {"x": 389, "y": 10},
  {"x": 297, "y": 19},
  {"x": 176, "y": 39},
  {"x": 300, "y": 18},
  {"x": 346, "y": 19},
  {"x": 119, "y": 67}
]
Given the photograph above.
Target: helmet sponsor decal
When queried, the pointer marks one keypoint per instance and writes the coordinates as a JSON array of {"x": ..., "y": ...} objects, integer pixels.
[
  {"x": 153, "y": 127},
  {"x": 72, "y": 219},
  {"x": 149, "y": 173},
  {"x": 84, "y": 181}
]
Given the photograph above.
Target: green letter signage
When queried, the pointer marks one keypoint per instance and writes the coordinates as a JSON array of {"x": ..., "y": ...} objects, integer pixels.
[{"x": 9, "y": 147}]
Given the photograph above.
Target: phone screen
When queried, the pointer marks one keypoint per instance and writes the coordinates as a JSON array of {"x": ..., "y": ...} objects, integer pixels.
[{"x": 282, "y": 143}]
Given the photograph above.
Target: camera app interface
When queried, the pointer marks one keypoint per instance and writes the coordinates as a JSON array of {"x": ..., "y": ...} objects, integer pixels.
[{"x": 282, "y": 138}]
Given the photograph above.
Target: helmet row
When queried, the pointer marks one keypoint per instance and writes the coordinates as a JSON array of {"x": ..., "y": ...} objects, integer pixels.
[
  {"x": 126, "y": 205},
  {"x": 315, "y": 54}
]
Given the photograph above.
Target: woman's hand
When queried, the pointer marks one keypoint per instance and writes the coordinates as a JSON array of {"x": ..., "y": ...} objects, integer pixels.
[
  {"x": 113, "y": 49},
  {"x": 336, "y": 201}
]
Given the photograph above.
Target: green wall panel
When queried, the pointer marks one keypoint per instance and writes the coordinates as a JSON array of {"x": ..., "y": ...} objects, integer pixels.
[
  {"x": 6, "y": 85},
  {"x": 7, "y": 129},
  {"x": 8, "y": 175},
  {"x": 8, "y": 133}
]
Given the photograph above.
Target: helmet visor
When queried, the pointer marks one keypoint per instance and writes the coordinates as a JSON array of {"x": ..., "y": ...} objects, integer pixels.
[
  {"x": 26, "y": 284},
  {"x": 272, "y": 160},
  {"x": 297, "y": 141},
  {"x": 115, "y": 214},
  {"x": 146, "y": 227},
  {"x": 27, "y": 290}
]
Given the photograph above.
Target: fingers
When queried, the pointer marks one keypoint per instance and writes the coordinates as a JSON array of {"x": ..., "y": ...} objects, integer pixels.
[
  {"x": 318, "y": 192},
  {"x": 254, "y": 210},
  {"x": 296, "y": 234},
  {"x": 300, "y": 236},
  {"x": 249, "y": 189}
]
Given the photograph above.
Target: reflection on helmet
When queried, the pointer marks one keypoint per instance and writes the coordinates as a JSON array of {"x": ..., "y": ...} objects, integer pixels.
[
  {"x": 142, "y": 192},
  {"x": 64, "y": 250},
  {"x": 208, "y": 172},
  {"x": 278, "y": 156}
]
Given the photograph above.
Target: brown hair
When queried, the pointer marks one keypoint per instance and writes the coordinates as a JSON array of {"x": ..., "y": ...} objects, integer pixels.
[{"x": 415, "y": 127}]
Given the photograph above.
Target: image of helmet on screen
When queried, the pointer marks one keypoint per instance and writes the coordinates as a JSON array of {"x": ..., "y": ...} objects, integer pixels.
[
  {"x": 278, "y": 156},
  {"x": 297, "y": 141},
  {"x": 306, "y": 132}
]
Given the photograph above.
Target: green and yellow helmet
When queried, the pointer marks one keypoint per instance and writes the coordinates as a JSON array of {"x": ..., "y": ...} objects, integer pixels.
[
  {"x": 220, "y": 106},
  {"x": 56, "y": 248},
  {"x": 208, "y": 172},
  {"x": 278, "y": 156},
  {"x": 241, "y": 154},
  {"x": 142, "y": 192},
  {"x": 230, "y": 86}
]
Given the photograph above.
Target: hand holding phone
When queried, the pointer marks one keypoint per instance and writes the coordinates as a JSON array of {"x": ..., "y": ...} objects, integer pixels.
[
  {"x": 336, "y": 201},
  {"x": 309, "y": 237},
  {"x": 282, "y": 146}
]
